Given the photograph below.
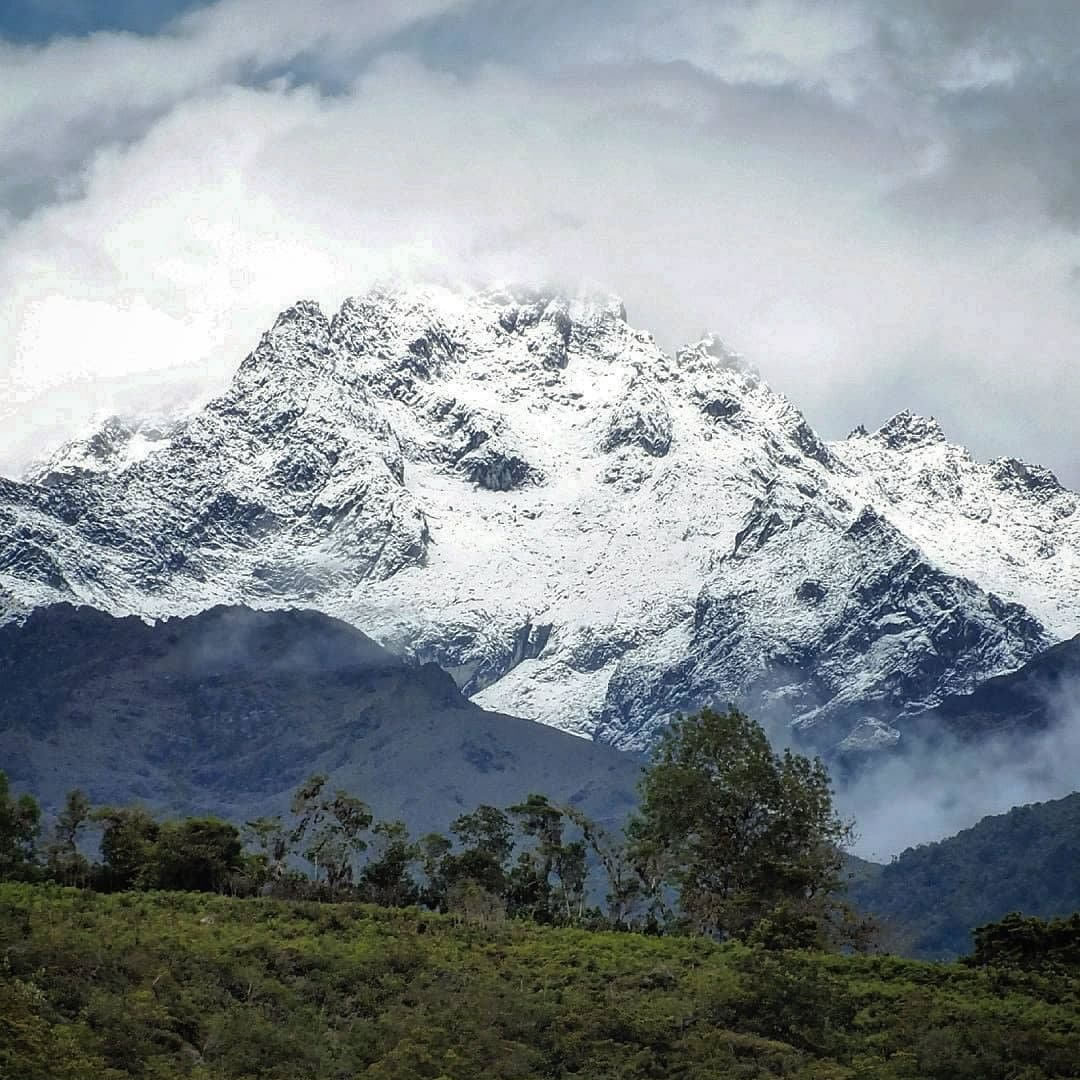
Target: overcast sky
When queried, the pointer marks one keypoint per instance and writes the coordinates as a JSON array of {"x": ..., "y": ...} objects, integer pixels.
[{"x": 876, "y": 200}]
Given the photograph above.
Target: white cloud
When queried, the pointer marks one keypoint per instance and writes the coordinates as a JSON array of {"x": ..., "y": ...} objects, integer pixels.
[
  {"x": 942, "y": 786},
  {"x": 60, "y": 100}
]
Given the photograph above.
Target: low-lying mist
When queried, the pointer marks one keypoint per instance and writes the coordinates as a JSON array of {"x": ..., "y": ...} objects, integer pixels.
[{"x": 937, "y": 786}]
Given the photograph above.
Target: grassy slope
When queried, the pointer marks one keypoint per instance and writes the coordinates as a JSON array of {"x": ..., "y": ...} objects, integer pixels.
[{"x": 168, "y": 985}]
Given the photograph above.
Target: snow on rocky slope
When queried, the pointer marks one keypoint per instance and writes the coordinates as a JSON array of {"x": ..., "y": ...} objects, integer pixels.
[{"x": 584, "y": 530}]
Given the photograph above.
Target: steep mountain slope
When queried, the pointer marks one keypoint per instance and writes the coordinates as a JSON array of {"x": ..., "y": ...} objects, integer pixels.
[
  {"x": 229, "y": 710},
  {"x": 1034, "y": 698},
  {"x": 582, "y": 529},
  {"x": 932, "y": 896}
]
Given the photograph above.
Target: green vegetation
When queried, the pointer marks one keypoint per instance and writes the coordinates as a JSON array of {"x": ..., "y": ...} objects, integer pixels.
[
  {"x": 163, "y": 985},
  {"x": 931, "y": 896},
  {"x": 730, "y": 839},
  {"x": 1029, "y": 943},
  {"x": 20, "y": 821},
  {"x": 479, "y": 953},
  {"x": 748, "y": 838}
]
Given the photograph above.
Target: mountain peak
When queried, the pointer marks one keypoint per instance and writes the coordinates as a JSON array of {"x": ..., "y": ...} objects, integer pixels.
[
  {"x": 518, "y": 485},
  {"x": 299, "y": 336},
  {"x": 711, "y": 351},
  {"x": 906, "y": 431},
  {"x": 303, "y": 317}
]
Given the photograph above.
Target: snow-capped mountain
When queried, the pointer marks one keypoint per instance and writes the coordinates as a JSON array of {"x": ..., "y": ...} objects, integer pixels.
[{"x": 583, "y": 529}]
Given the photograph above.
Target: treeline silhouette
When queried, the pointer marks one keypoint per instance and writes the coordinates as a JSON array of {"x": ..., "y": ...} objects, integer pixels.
[
  {"x": 529, "y": 860},
  {"x": 730, "y": 839}
]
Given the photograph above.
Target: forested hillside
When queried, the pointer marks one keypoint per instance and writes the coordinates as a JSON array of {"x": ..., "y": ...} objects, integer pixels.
[{"x": 931, "y": 896}]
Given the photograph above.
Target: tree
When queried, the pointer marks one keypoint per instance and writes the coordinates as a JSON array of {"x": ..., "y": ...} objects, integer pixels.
[
  {"x": 20, "y": 822},
  {"x": 489, "y": 839},
  {"x": 1028, "y": 942},
  {"x": 194, "y": 855},
  {"x": 571, "y": 872},
  {"x": 531, "y": 893},
  {"x": 624, "y": 885},
  {"x": 127, "y": 845},
  {"x": 270, "y": 839},
  {"x": 748, "y": 838},
  {"x": 433, "y": 851},
  {"x": 328, "y": 830},
  {"x": 66, "y": 863},
  {"x": 532, "y": 890},
  {"x": 386, "y": 878}
]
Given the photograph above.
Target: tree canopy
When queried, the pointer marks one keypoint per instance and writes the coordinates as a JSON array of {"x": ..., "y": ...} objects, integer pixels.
[
  {"x": 748, "y": 838},
  {"x": 20, "y": 822}
]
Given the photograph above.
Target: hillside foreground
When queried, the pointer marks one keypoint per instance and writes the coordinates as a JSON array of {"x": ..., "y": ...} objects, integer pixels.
[{"x": 169, "y": 985}]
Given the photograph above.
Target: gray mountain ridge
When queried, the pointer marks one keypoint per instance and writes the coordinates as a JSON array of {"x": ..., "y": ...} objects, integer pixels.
[{"x": 228, "y": 711}]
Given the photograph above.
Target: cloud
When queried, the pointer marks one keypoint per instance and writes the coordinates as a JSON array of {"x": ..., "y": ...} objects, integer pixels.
[
  {"x": 940, "y": 786},
  {"x": 61, "y": 100},
  {"x": 839, "y": 189}
]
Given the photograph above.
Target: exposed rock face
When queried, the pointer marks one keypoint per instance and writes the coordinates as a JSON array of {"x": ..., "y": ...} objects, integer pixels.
[
  {"x": 1035, "y": 698},
  {"x": 641, "y": 419},
  {"x": 1020, "y": 476},
  {"x": 292, "y": 482},
  {"x": 889, "y": 632},
  {"x": 453, "y": 470},
  {"x": 906, "y": 431}
]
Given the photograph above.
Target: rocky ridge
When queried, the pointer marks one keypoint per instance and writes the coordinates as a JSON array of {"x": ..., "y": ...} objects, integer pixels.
[{"x": 584, "y": 530}]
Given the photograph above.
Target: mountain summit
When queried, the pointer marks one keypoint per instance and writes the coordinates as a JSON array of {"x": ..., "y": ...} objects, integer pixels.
[{"x": 581, "y": 528}]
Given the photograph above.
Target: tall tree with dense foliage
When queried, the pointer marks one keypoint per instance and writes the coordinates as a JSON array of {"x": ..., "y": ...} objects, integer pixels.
[
  {"x": 749, "y": 838},
  {"x": 386, "y": 878},
  {"x": 20, "y": 822},
  {"x": 548, "y": 882},
  {"x": 194, "y": 855},
  {"x": 127, "y": 845},
  {"x": 433, "y": 851},
  {"x": 530, "y": 886},
  {"x": 65, "y": 862},
  {"x": 487, "y": 836}
]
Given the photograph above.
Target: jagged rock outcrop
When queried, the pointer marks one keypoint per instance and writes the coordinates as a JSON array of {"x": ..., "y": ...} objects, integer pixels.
[
  {"x": 452, "y": 470},
  {"x": 881, "y": 642},
  {"x": 640, "y": 418}
]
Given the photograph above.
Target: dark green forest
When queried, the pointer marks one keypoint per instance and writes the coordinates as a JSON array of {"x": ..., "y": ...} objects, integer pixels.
[{"x": 928, "y": 899}]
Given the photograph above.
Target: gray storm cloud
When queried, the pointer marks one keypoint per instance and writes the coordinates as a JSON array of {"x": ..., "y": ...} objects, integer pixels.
[{"x": 877, "y": 202}]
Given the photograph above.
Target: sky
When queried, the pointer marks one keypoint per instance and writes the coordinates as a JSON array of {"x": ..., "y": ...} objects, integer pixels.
[{"x": 877, "y": 201}]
